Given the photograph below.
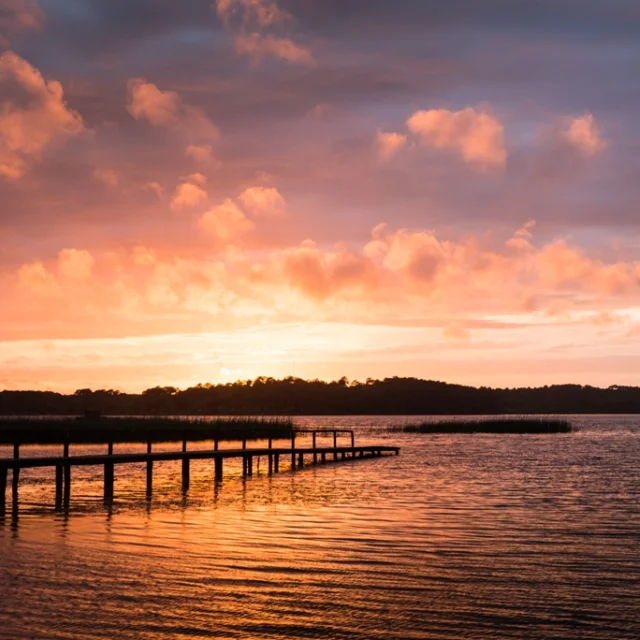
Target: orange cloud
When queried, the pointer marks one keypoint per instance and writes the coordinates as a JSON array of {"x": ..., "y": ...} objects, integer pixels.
[
  {"x": 166, "y": 109},
  {"x": 225, "y": 222},
  {"x": 262, "y": 201},
  {"x": 475, "y": 134},
  {"x": 189, "y": 193},
  {"x": 18, "y": 15},
  {"x": 27, "y": 131},
  {"x": 108, "y": 176},
  {"x": 584, "y": 134},
  {"x": 389, "y": 144},
  {"x": 251, "y": 23}
]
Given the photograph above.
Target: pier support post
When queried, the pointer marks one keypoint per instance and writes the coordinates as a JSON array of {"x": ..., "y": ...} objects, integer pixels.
[
  {"x": 276, "y": 463},
  {"x": 324, "y": 457},
  {"x": 58, "y": 486},
  {"x": 270, "y": 464},
  {"x": 3, "y": 489},
  {"x": 335, "y": 445},
  {"x": 218, "y": 468},
  {"x": 249, "y": 465},
  {"x": 185, "y": 475},
  {"x": 301, "y": 460},
  {"x": 215, "y": 444},
  {"x": 353, "y": 441},
  {"x": 315, "y": 454},
  {"x": 293, "y": 450}
]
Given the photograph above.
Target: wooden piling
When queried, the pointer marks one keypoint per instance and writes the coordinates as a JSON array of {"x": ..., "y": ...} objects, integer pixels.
[
  {"x": 293, "y": 450},
  {"x": 301, "y": 460},
  {"x": 218, "y": 468},
  {"x": 335, "y": 445},
  {"x": 249, "y": 465},
  {"x": 276, "y": 463},
  {"x": 315, "y": 455},
  {"x": 324, "y": 457},
  {"x": 270, "y": 457}
]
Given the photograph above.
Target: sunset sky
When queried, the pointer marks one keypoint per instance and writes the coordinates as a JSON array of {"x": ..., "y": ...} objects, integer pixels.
[{"x": 204, "y": 191}]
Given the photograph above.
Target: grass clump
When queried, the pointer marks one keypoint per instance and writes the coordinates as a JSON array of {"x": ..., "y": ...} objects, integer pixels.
[
  {"x": 504, "y": 425},
  {"x": 136, "y": 429}
]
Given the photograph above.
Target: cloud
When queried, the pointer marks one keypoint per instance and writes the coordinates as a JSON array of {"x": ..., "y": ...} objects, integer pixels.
[
  {"x": 262, "y": 201},
  {"x": 202, "y": 154},
  {"x": 478, "y": 136},
  {"x": 225, "y": 222},
  {"x": 75, "y": 264},
  {"x": 584, "y": 135},
  {"x": 108, "y": 176},
  {"x": 253, "y": 22},
  {"x": 18, "y": 15},
  {"x": 189, "y": 193},
  {"x": 42, "y": 119},
  {"x": 389, "y": 144},
  {"x": 166, "y": 109}
]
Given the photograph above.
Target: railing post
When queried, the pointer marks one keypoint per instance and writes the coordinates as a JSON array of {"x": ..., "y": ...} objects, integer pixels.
[
  {"x": 215, "y": 444},
  {"x": 110, "y": 449},
  {"x": 353, "y": 440},
  {"x": 335, "y": 445},
  {"x": 315, "y": 455},
  {"x": 293, "y": 450}
]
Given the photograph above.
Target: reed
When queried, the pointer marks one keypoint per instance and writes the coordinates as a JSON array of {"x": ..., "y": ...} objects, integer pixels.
[
  {"x": 504, "y": 425},
  {"x": 48, "y": 430}
]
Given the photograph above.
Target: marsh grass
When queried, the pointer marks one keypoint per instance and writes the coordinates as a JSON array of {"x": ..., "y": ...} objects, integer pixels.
[
  {"x": 49, "y": 430},
  {"x": 505, "y": 425}
]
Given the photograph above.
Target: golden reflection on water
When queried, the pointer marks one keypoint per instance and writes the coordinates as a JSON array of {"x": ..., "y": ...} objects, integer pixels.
[{"x": 458, "y": 537}]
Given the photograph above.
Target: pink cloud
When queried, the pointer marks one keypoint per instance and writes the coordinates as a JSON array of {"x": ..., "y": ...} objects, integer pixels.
[
  {"x": 225, "y": 222},
  {"x": 190, "y": 193},
  {"x": 262, "y": 201},
  {"x": 474, "y": 133},
  {"x": 252, "y": 23},
  {"x": 27, "y": 131},
  {"x": 389, "y": 144},
  {"x": 584, "y": 135},
  {"x": 18, "y": 15},
  {"x": 164, "y": 108}
]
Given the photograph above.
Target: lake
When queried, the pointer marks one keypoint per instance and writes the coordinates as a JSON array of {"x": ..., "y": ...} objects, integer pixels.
[{"x": 461, "y": 536}]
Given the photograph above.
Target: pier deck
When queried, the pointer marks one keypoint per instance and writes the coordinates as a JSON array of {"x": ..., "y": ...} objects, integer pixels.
[{"x": 64, "y": 464}]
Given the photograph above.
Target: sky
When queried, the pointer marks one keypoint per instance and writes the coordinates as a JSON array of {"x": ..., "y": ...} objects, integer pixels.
[{"x": 205, "y": 191}]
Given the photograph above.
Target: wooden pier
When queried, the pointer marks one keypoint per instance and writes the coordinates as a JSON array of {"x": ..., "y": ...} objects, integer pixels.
[{"x": 296, "y": 454}]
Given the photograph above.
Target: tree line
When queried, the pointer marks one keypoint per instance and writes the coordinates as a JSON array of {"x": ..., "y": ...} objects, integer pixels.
[{"x": 295, "y": 396}]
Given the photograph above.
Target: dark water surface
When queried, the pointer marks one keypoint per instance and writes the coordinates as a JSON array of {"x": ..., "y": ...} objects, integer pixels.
[{"x": 467, "y": 536}]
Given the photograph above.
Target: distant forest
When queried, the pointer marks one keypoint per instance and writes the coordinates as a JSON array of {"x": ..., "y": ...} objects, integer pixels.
[{"x": 294, "y": 396}]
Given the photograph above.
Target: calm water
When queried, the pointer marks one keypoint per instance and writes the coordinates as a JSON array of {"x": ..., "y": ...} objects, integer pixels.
[{"x": 459, "y": 537}]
